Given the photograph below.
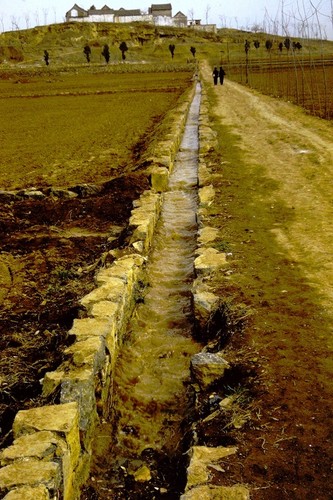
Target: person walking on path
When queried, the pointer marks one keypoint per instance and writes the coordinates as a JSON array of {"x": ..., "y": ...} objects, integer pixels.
[
  {"x": 215, "y": 75},
  {"x": 221, "y": 75}
]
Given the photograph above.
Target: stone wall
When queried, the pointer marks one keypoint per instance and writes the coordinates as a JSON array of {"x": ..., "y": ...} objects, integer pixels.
[
  {"x": 207, "y": 367},
  {"x": 51, "y": 452}
]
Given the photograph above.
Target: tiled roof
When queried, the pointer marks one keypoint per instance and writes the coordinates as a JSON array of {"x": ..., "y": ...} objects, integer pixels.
[
  {"x": 125, "y": 12},
  {"x": 161, "y": 6}
]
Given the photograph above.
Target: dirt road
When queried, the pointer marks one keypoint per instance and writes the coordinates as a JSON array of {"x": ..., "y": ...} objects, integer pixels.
[{"x": 274, "y": 208}]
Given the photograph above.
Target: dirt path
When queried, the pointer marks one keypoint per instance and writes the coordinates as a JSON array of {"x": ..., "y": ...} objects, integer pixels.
[
  {"x": 296, "y": 151},
  {"x": 274, "y": 211}
]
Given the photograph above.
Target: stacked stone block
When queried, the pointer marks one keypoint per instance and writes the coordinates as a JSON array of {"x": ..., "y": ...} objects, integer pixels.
[{"x": 51, "y": 452}]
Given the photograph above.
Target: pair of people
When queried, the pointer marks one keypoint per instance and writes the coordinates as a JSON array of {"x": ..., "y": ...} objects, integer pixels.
[{"x": 218, "y": 74}]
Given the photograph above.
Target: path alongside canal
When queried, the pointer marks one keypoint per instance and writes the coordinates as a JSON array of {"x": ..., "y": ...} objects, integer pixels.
[{"x": 273, "y": 207}]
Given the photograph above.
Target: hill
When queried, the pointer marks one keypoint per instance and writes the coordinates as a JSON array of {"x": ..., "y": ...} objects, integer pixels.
[{"x": 145, "y": 42}]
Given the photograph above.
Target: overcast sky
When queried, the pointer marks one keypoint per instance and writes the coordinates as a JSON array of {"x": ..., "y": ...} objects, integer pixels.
[{"x": 310, "y": 17}]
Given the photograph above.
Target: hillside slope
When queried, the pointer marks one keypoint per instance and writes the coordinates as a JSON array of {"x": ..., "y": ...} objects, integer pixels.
[{"x": 65, "y": 43}]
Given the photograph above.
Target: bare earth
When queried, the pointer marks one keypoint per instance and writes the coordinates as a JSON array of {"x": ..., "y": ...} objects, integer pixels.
[{"x": 274, "y": 210}]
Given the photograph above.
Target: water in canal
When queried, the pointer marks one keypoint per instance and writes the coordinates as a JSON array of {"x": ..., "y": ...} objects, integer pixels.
[{"x": 151, "y": 397}]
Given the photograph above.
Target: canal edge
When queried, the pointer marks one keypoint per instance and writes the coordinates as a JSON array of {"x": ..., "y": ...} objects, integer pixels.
[{"x": 208, "y": 263}]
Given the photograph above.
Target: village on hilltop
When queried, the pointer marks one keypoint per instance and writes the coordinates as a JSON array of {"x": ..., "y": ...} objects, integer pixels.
[{"x": 157, "y": 14}]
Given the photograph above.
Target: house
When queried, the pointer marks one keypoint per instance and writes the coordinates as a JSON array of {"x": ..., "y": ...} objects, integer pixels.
[
  {"x": 127, "y": 16},
  {"x": 105, "y": 14},
  {"x": 180, "y": 20},
  {"x": 196, "y": 24},
  {"x": 160, "y": 10},
  {"x": 76, "y": 13},
  {"x": 158, "y": 14},
  {"x": 161, "y": 14}
]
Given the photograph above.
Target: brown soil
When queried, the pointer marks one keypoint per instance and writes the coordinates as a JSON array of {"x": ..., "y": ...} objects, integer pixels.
[
  {"x": 50, "y": 250},
  {"x": 274, "y": 211}
]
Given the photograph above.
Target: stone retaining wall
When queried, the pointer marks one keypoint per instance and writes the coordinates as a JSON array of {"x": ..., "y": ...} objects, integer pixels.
[
  {"x": 207, "y": 367},
  {"x": 51, "y": 452}
]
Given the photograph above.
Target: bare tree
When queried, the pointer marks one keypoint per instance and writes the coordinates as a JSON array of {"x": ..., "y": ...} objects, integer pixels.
[
  {"x": 45, "y": 14},
  {"x": 223, "y": 21},
  {"x": 15, "y": 23},
  {"x": 27, "y": 20},
  {"x": 208, "y": 7},
  {"x": 275, "y": 27}
]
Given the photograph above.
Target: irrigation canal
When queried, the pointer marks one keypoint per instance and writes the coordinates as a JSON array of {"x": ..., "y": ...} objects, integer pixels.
[{"x": 139, "y": 453}]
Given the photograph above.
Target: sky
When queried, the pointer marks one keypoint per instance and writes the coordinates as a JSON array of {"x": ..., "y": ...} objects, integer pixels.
[{"x": 296, "y": 18}]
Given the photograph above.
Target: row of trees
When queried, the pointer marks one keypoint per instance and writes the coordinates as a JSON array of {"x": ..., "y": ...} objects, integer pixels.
[
  {"x": 87, "y": 52},
  {"x": 106, "y": 52},
  {"x": 303, "y": 79},
  {"x": 287, "y": 43},
  {"x": 172, "y": 48},
  {"x": 123, "y": 48}
]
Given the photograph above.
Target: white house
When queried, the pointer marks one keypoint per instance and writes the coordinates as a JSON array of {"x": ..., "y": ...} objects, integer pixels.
[
  {"x": 160, "y": 10},
  {"x": 77, "y": 13},
  {"x": 127, "y": 16},
  {"x": 158, "y": 14},
  {"x": 105, "y": 14},
  {"x": 180, "y": 20}
]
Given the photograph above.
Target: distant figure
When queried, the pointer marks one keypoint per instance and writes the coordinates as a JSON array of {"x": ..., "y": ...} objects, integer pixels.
[
  {"x": 215, "y": 75},
  {"x": 221, "y": 75},
  {"x": 46, "y": 57}
]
